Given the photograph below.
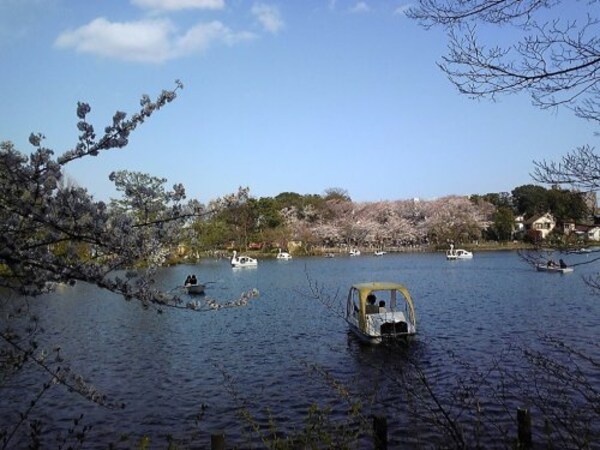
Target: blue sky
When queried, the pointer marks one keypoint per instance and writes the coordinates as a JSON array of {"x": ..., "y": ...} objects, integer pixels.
[{"x": 279, "y": 96}]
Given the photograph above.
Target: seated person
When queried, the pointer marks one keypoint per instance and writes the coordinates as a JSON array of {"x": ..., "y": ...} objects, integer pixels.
[
  {"x": 371, "y": 308},
  {"x": 193, "y": 280},
  {"x": 563, "y": 264},
  {"x": 382, "y": 306}
]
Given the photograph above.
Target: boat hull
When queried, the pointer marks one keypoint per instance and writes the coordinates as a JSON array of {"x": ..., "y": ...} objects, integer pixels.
[
  {"x": 244, "y": 264},
  {"x": 195, "y": 289},
  {"x": 379, "y": 338},
  {"x": 550, "y": 269}
]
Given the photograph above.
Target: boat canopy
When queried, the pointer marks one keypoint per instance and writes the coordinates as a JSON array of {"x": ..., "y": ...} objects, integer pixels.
[{"x": 364, "y": 289}]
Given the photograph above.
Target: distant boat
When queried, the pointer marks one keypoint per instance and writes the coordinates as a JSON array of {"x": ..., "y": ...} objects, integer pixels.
[
  {"x": 580, "y": 251},
  {"x": 544, "y": 267},
  {"x": 329, "y": 255},
  {"x": 458, "y": 254},
  {"x": 192, "y": 286},
  {"x": 379, "y": 253},
  {"x": 283, "y": 255},
  {"x": 242, "y": 261},
  {"x": 354, "y": 252}
]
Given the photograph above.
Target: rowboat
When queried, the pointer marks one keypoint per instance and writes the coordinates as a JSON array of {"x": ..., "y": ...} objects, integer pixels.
[
  {"x": 544, "y": 267},
  {"x": 195, "y": 289}
]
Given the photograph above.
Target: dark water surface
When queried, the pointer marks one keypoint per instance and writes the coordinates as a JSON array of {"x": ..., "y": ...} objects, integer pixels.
[{"x": 188, "y": 374}]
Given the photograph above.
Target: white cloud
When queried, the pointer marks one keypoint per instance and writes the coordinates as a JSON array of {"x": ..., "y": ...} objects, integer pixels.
[
  {"x": 268, "y": 16},
  {"x": 174, "y": 5},
  {"x": 146, "y": 41},
  {"x": 360, "y": 7},
  {"x": 199, "y": 38}
]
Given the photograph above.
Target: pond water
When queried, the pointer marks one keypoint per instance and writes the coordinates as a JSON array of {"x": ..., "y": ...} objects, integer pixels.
[{"x": 189, "y": 374}]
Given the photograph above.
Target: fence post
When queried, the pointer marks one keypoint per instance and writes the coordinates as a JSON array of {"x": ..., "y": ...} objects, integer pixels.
[
  {"x": 217, "y": 441},
  {"x": 380, "y": 437},
  {"x": 524, "y": 428}
]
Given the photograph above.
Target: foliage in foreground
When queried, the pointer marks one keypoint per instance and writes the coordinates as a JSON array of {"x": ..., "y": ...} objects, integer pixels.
[{"x": 53, "y": 232}]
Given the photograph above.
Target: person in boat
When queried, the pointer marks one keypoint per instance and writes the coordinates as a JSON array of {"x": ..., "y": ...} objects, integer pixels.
[
  {"x": 551, "y": 263},
  {"x": 563, "y": 265},
  {"x": 372, "y": 308},
  {"x": 193, "y": 279},
  {"x": 382, "y": 306},
  {"x": 188, "y": 280}
]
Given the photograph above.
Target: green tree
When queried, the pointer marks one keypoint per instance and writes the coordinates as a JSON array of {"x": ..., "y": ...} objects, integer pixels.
[
  {"x": 303, "y": 205},
  {"x": 143, "y": 195},
  {"x": 567, "y": 205},
  {"x": 237, "y": 211},
  {"x": 268, "y": 213},
  {"x": 504, "y": 223},
  {"x": 497, "y": 199},
  {"x": 530, "y": 200},
  {"x": 289, "y": 200},
  {"x": 211, "y": 234},
  {"x": 336, "y": 193}
]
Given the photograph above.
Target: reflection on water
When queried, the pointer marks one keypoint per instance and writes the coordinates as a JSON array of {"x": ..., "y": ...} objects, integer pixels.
[{"x": 188, "y": 374}]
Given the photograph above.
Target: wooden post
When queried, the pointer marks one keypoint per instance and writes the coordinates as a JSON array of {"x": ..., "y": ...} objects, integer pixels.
[
  {"x": 524, "y": 428},
  {"x": 217, "y": 441},
  {"x": 380, "y": 437}
]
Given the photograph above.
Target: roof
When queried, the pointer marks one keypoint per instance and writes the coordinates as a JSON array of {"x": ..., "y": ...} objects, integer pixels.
[
  {"x": 378, "y": 286},
  {"x": 538, "y": 217},
  {"x": 364, "y": 289}
]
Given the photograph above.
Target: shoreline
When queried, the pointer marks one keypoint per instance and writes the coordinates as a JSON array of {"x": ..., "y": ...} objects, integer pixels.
[{"x": 365, "y": 251}]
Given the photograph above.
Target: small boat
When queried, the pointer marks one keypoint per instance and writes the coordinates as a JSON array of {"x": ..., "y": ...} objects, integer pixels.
[
  {"x": 329, "y": 255},
  {"x": 458, "y": 254},
  {"x": 580, "y": 251},
  {"x": 194, "y": 289},
  {"x": 544, "y": 267},
  {"x": 379, "y": 253},
  {"x": 378, "y": 311},
  {"x": 192, "y": 286},
  {"x": 283, "y": 255},
  {"x": 354, "y": 252},
  {"x": 242, "y": 261}
]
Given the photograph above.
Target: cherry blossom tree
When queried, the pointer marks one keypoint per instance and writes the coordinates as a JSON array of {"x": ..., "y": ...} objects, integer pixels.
[
  {"x": 45, "y": 223},
  {"x": 454, "y": 219},
  {"x": 53, "y": 232}
]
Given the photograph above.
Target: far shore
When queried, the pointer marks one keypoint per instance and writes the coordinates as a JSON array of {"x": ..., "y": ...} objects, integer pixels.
[{"x": 367, "y": 250}]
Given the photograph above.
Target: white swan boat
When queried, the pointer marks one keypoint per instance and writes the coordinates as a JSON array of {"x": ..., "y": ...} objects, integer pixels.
[
  {"x": 379, "y": 253},
  {"x": 242, "y": 261},
  {"x": 354, "y": 252},
  {"x": 458, "y": 254},
  {"x": 283, "y": 255},
  {"x": 378, "y": 311}
]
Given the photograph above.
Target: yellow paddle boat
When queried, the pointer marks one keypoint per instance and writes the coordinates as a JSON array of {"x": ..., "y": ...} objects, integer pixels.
[{"x": 378, "y": 311}]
